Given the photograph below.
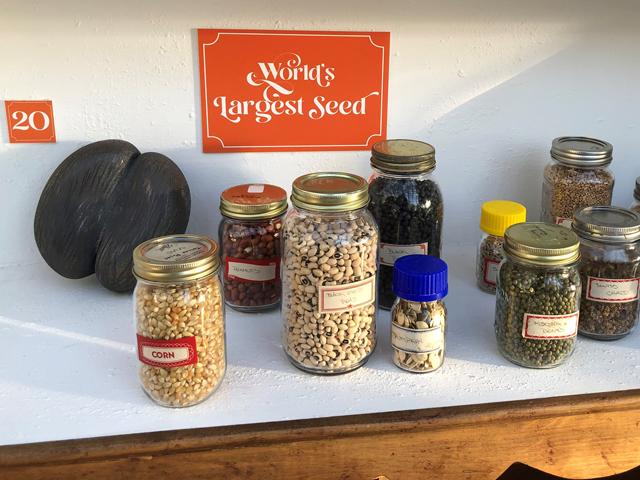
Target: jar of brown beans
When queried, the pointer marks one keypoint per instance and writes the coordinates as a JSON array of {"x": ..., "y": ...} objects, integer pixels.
[{"x": 250, "y": 240}]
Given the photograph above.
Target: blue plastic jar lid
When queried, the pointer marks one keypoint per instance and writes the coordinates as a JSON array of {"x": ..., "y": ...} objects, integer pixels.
[{"x": 420, "y": 278}]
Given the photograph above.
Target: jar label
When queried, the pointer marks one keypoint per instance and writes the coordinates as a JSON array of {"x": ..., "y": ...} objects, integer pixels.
[
  {"x": 417, "y": 341},
  {"x": 389, "y": 252},
  {"x": 609, "y": 290},
  {"x": 245, "y": 270},
  {"x": 549, "y": 327},
  {"x": 491, "y": 269},
  {"x": 564, "y": 221},
  {"x": 173, "y": 353},
  {"x": 342, "y": 298}
]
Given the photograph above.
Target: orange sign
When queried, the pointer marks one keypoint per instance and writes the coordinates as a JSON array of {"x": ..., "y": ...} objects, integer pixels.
[
  {"x": 264, "y": 90},
  {"x": 30, "y": 121}
]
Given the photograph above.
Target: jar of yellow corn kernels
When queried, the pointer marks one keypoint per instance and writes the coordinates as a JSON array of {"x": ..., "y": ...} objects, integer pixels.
[{"x": 179, "y": 318}]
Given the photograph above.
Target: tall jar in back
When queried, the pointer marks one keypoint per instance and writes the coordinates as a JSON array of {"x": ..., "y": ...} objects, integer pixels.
[
  {"x": 179, "y": 319},
  {"x": 250, "y": 241},
  {"x": 406, "y": 202},
  {"x": 610, "y": 271},
  {"x": 538, "y": 295},
  {"x": 329, "y": 274},
  {"x": 635, "y": 205},
  {"x": 577, "y": 176}
]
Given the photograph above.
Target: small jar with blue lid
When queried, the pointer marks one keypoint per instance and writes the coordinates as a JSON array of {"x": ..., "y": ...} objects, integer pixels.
[{"x": 419, "y": 315}]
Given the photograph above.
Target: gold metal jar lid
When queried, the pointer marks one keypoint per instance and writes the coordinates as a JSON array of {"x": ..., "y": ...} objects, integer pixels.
[
  {"x": 582, "y": 151},
  {"x": 253, "y": 201},
  {"x": 403, "y": 156},
  {"x": 542, "y": 244},
  {"x": 176, "y": 258},
  {"x": 330, "y": 192},
  {"x": 607, "y": 224}
]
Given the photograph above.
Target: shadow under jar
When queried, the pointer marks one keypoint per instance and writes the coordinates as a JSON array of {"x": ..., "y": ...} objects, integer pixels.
[
  {"x": 406, "y": 202},
  {"x": 610, "y": 271},
  {"x": 250, "y": 237},
  {"x": 329, "y": 274},
  {"x": 538, "y": 295},
  {"x": 179, "y": 319},
  {"x": 578, "y": 176}
]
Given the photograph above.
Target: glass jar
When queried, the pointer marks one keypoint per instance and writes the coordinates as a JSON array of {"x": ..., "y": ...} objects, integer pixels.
[
  {"x": 635, "y": 205},
  {"x": 577, "y": 177},
  {"x": 406, "y": 203},
  {"x": 538, "y": 295},
  {"x": 419, "y": 315},
  {"x": 179, "y": 319},
  {"x": 329, "y": 274},
  {"x": 610, "y": 271},
  {"x": 495, "y": 217},
  {"x": 250, "y": 240}
]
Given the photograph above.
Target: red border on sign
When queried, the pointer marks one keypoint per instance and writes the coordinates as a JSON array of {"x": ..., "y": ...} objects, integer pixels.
[
  {"x": 487, "y": 261},
  {"x": 621, "y": 280},
  {"x": 184, "y": 342},
  {"x": 273, "y": 261},
  {"x": 525, "y": 326}
]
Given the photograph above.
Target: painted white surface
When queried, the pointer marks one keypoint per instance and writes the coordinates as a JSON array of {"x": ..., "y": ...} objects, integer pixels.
[
  {"x": 489, "y": 83},
  {"x": 72, "y": 368}
]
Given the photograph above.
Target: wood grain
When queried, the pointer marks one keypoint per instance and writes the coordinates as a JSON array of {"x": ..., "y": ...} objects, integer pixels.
[{"x": 578, "y": 436}]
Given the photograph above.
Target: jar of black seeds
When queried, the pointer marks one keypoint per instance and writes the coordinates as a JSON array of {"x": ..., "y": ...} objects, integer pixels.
[
  {"x": 635, "y": 205},
  {"x": 610, "y": 271},
  {"x": 578, "y": 176},
  {"x": 406, "y": 202},
  {"x": 538, "y": 295}
]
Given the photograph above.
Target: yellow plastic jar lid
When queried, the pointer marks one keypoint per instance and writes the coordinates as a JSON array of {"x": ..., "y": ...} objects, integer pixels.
[{"x": 498, "y": 215}]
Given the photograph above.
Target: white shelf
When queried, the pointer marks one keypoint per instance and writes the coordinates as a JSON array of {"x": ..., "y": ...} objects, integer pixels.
[{"x": 68, "y": 367}]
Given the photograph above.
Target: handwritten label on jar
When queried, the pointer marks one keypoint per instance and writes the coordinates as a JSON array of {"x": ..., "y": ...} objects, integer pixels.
[
  {"x": 491, "y": 269},
  {"x": 416, "y": 341},
  {"x": 342, "y": 298},
  {"x": 564, "y": 221},
  {"x": 389, "y": 252},
  {"x": 550, "y": 327},
  {"x": 609, "y": 290},
  {"x": 245, "y": 270},
  {"x": 167, "y": 353}
]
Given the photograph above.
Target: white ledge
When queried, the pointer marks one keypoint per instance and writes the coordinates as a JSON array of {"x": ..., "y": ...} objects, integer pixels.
[{"x": 68, "y": 367}]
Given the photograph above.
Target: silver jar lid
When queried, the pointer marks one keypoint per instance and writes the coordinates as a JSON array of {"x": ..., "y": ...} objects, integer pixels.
[
  {"x": 636, "y": 192},
  {"x": 607, "y": 224},
  {"x": 581, "y": 151}
]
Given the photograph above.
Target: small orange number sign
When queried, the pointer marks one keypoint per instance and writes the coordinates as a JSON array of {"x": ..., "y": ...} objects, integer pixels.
[{"x": 30, "y": 121}]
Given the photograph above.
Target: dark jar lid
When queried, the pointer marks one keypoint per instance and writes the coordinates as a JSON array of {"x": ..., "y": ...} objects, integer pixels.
[
  {"x": 403, "y": 156},
  {"x": 581, "y": 152},
  {"x": 420, "y": 278},
  {"x": 636, "y": 192},
  {"x": 607, "y": 224}
]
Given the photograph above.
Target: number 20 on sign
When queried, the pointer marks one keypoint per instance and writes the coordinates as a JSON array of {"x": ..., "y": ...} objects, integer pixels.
[{"x": 30, "y": 121}]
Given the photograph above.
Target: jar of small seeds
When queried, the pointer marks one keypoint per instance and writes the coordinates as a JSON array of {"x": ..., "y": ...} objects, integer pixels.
[
  {"x": 179, "y": 319},
  {"x": 538, "y": 295},
  {"x": 610, "y": 271},
  {"x": 406, "y": 203},
  {"x": 496, "y": 216},
  {"x": 250, "y": 241},
  {"x": 577, "y": 177},
  {"x": 635, "y": 205},
  {"x": 329, "y": 274},
  {"x": 419, "y": 315}
]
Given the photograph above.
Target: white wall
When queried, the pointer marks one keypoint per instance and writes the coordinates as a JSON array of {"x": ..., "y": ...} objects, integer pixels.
[{"x": 488, "y": 83}]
